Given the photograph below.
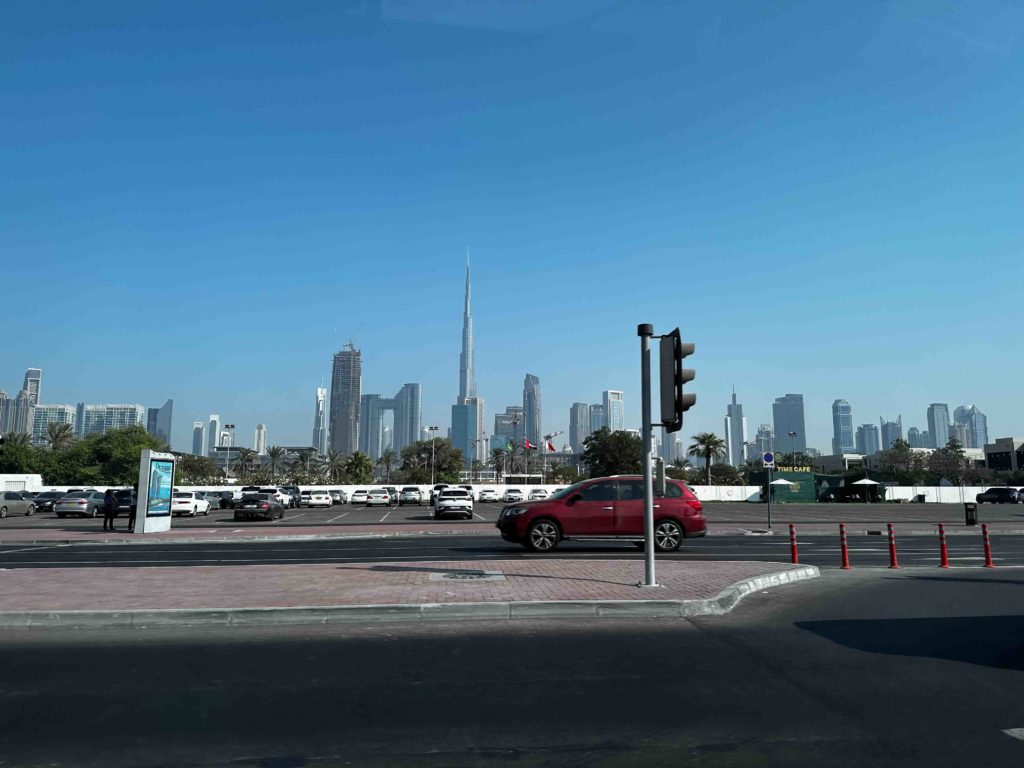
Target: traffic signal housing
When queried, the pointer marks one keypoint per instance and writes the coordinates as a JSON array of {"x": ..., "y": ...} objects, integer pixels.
[{"x": 675, "y": 402}]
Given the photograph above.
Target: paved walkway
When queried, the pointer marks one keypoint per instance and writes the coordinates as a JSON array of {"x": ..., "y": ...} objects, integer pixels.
[{"x": 274, "y": 593}]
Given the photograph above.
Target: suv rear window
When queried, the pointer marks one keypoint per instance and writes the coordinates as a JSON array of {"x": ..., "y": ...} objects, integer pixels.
[{"x": 460, "y": 494}]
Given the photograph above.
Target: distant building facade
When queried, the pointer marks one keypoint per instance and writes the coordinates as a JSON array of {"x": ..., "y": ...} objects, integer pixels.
[
  {"x": 320, "y": 422},
  {"x": 532, "y": 409},
  {"x": 346, "y": 383},
  {"x": 735, "y": 432},
  {"x": 843, "y": 440},
  {"x": 259, "y": 443},
  {"x": 50, "y": 414},
  {"x": 977, "y": 425},
  {"x": 891, "y": 431},
  {"x": 198, "y": 438},
  {"x": 613, "y": 401},
  {"x": 867, "y": 441},
  {"x": 938, "y": 424},
  {"x": 787, "y": 417},
  {"x": 158, "y": 421},
  {"x": 100, "y": 419},
  {"x": 579, "y": 426}
]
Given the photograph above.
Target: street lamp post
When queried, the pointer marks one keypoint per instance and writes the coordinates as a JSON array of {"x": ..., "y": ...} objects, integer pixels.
[
  {"x": 792, "y": 456},
  {"x": 432, "y": 431}
]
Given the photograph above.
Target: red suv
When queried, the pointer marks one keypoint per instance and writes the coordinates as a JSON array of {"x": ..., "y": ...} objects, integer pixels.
[{"x": 604, "y": 508}]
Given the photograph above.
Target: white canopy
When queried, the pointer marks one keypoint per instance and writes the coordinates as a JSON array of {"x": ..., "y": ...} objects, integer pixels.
[
  {"x": 865, "y": 481},
  {"x": 780, "y": 481}
]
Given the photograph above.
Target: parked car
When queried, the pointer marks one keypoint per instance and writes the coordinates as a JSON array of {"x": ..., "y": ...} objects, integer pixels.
[
  {"x": 317, "y": 499},
  {"x": 378, "y": 497},
  {"x": 359, "y": 496},
  {"x": 410, "y": 495},
  {"x": 998, "y": 496},
  {"x": 258, "y": 505},
  {"x": 392, "y": 492},
  {"x": 488, "y": 494},
  {"x": 454, "y": 501},
  {"x": 221, "y": 499},
  {"x": 46, "y": 499},
  {"x": 189, "y": 503},
  {"x": 278, "y": 493},
  {"x": 304, "y": 499},
  {"x": 513, "y": 494},
  {"x": 125, "y": 501},
  {"x": 82, "y": 503},
  {"x": 339, "y": 497},
  {"x": 604, "y": 508},
  {"x": 15, "y": 503},
  {"x": 469, "y": 488},
  {"x": 538, "y": 494},
  {"x": 293, "y": 493},
  {"x": 436, "y": 490}
]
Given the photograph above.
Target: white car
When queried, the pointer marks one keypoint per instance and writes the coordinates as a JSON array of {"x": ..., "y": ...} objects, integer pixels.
[
  {"x": 410, "y": 495},
  {"x": 488, "y": 494},
  {"x": 317, "y": 498},
  {"x": 377, "y": 497},
  {"x": 538, "y": 494},
  {"x": 278, "y": 494},
  {"x": 454, "y": 501},
  {"x": 513, "y": 494},
  {"x": 189, "y": 503},
  {"x": 359, "y": 496}
]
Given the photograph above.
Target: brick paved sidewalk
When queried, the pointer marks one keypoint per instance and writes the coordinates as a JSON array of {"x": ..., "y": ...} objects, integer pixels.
[{"x": 378, "y": 584}]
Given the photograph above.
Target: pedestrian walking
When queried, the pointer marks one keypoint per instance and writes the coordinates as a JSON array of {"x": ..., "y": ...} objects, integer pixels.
[{"x": 109, "y": 503}]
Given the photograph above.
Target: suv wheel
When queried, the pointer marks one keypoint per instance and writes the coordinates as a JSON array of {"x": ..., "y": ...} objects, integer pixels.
[
  {"x": 542, "y": 536},
  {"x": 668, "y": 535},
  {"x": 31, "y": 510}
]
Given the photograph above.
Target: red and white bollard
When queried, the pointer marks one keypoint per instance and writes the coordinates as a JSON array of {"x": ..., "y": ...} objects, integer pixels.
[
  {"x": 988, "y": 546},
  {"x": 794, "y": 555},
  {"x": 943, "y": 552},
  {"x": 842, "y": 545},
  {"x": 893, "y": 563}
]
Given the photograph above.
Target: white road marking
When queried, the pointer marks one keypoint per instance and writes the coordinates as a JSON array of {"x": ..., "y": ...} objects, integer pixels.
[
  {"x": 33, "y": 549},
  {"x": 293, "y": 517},
  {"x": 1017, "y": 733},
  {"x": 476, "y": 515},
  {"x": 385, "y": 516},
  {"x": 338, "y": 517}
]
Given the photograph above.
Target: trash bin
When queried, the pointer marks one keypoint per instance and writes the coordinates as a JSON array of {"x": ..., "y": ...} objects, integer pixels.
[
  {"x": 970, "y": 513},
  {"x": 919, "y": 498}
]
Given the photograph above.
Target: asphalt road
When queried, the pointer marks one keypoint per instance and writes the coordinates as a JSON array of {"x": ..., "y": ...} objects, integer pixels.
[
  {"x": 871, "y": 668},
  {"x": 717, "y": 512},
  {"x": 823, "y": 551}
]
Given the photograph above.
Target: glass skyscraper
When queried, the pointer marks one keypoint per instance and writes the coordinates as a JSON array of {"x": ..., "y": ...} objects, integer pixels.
[
  {"x": 788, "y": 416},
  {"x": 938, "y": 425},
  {"x": 842, "y": 428},
  {"x": 867, "y": 442},
  {"x": 346, "y": 382},
  {"x": 735, "y": 432},
  {"x": 579, "y": 426},
  {"x": 532, "y": 409},
  {"x": 976, "y": 423},
  {"x": 614, "y": 409}
]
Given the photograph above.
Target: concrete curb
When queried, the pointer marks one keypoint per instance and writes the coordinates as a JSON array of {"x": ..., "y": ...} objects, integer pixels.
[{"x": 722, "y": 603}]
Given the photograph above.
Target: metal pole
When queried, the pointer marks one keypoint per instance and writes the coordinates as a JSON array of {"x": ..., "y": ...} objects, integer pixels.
[
  {"x": 769, "y": 489},
  {"x": 645, "y": 331}
]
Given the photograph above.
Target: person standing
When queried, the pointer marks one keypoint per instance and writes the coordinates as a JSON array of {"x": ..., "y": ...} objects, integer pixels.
[
  {"x": 109, "y": 503},
  {"x": 134, "y": 509}
]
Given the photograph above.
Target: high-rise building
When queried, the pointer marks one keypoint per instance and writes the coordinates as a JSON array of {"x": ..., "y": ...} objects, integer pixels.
[
  {"x": 405, "y": 407},
  {"x": 666, "y": 448},
  {"x": 867, "y": 441},
  {"x": 227, "y": 436},
  {"x": 467, "y": 373},
  {"x": 213, "y": 433},
  {"x": 508, "y": 427},
  {"x": 259, "y": 443},
  {"x": 320, "y": 422},
  {"x": 579, "y": 426},
  {"x": 33, "y": 384},
  {"x": 50, "y": 414},
  {"x": 100, "y": 419},
  {"x": 158, "y": 421},
  {"x": 532, "y": 409},
  {"x": 198, "y": 438},
  {"x": 764, "y": 442},
  {"x": 20, "y": 415},
  {"x": 842, "y": 428},
  {"x": 961, "y": 433},
  {"x": 614, "y": 410},
  {"x": 938, "y": 424},
  {"x": 597, "y": 417},
  {"x": 915, "y": 439},
  {"x": 788, "y": 417},
  {"x": 977, "y": 425},
  {"x": 891, "y": 431},
  {"x": 735, "y": 432},
  {"x": 346, "y": 382},
  {"x": 467, "y": 432}
]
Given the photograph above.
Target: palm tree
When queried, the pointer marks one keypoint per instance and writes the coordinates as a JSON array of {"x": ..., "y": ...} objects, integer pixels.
[
  {"x": 359, "y": 468},
  {"x": 18, "y": 439},
  {"x": 275, "y": 453},
  {"x": 710, "y": 446},
  {"x": 681, "y": 462},
  {"x": 387, "y": 461},
  {"x": 334, "y": 466},
  {"x": 305, "y": 454},
  {"x": 243, "y": 460},
  {"x": 498, "y": 456},
  {"x": 59, "y": 436}
]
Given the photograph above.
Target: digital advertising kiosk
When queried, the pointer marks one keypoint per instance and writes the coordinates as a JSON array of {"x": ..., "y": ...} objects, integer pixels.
[{"x": 156, "y": 484}]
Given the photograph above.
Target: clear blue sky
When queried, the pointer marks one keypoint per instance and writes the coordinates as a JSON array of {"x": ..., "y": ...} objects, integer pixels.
[{"x": 826, "y": 197}]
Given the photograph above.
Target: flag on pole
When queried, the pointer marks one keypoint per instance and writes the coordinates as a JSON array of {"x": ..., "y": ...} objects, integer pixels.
[
  {"x": 551, "y": 448},
  {"x": 510, "y": 446},
  {"x": 530, "y": 446}
]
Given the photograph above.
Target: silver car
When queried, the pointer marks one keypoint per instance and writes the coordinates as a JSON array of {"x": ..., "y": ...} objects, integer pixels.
[
  {"x": 83, "y": 503},
  {"x": 16, "y": 503}
]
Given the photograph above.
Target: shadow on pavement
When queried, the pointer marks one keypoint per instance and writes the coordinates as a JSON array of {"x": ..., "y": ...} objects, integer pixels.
[
  {"x": 474, "y": 572},
  {"x": 993, "y": 641}
]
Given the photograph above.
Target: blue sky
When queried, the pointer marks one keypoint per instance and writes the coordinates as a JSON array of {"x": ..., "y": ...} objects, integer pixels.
[{"x": 204, "y": 201}]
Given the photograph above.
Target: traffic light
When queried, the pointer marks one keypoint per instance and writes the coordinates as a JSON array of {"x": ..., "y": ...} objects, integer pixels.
[{"x": 674, "y": 402}]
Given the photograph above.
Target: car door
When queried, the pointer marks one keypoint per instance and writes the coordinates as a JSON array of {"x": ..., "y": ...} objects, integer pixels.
[
  {"x": 591, "y": 511},
  {"x": 629, "y": 508}
]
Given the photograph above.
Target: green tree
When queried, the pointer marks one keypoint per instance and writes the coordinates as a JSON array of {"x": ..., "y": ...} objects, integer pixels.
[
  {"x": 498, "y": 458},
  {"x": 563, "y": 473},
  {"x": 948, "y": 462},
  {"x": 612, "y": 453},
  {"x": 197, "y": 470},
  {"x": 725, "y": 474},
  {"x": 17, "y": 456},
  {"x": 709, "y": 446},
  {"x": 901, "y": 464},
  {"x": 275, "y": 453},
  {"x": 359, "y": 469},
  {"x": 417, "y": 457},
  {"x": 59, "y": 436},
  {"x": 387, "y": 461},
  {"x": 117, "y": 453}
]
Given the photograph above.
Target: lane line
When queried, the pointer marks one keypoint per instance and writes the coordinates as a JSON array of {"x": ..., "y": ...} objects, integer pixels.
[
  {"x": 338, "y": 517},
  {"x": 33, "y": 548},
  {"x": 293, "y": 517},
  {"x": 385, "y": 516}
]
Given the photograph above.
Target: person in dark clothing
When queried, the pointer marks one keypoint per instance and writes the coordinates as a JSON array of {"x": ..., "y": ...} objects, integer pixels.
[{"x": 109, "y": 502}]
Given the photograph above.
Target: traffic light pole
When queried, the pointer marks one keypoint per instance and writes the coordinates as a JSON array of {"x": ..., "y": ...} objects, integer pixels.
[{"x": 645, "y": 331}]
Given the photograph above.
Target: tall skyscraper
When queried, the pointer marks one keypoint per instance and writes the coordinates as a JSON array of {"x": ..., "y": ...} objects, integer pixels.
[
  {"x": 100, "y": 419},
  {"x": 33, "y": 384},
  {"x": 867, "y": 441},
  {"x": 915, "y": 439},
  {"x": 346, "y": 382},
  {"x": 259, "y": 443},
  {"x": 597, "y": 417},
  {"x": 508, "y": 427},
  {"x": 320, "y": 422},
  {"x": 405, "y": 407},
  {"x": 891, "y": 431},
  {"x": 468, "y": 412},
  {"x": 50, "y": 414},
  {"x": 614, "y": 409},
  {"x": 764, "y": 442},
  {"x": 961, "y": 433},
  {"x": 938, "y": 424},
  {"x": 788, "y": 416},
  {"x": 579, "y": 426},
  {"x": 212, "y": 433},
  {"x": 666, "y": 448},
  {"x": 532, "y": 409},
  {"x": 158, "y": 421},
  {"x": 735, "y": 432},
  {"x": 842, "y": 428},
  {"x": 198, "y": 438},
  {"x": 467, "y": 374},
  {"x": 977, "y": 425},
  {"x": 20, "y": 414}
]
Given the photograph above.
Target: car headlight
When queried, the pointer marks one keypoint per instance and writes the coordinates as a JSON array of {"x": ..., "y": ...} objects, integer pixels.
[{"x": 513, "y": 512}]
